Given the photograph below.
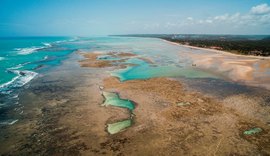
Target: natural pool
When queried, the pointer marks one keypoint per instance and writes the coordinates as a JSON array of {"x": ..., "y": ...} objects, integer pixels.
[
  {"x": 113, "y": 99},
  {"x": 119, "y": 126}
]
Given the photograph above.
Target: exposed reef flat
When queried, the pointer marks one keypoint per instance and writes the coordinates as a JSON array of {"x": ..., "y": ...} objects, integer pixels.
[
  {"x": 199, "y": 127},
  {"x": 64, "y": 115},
  {"x": 102, "y": 60}
]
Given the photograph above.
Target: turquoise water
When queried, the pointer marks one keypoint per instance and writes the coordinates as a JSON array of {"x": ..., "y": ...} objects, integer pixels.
[
  {"x": 119, "y": 126},
  {"x": 145, "y": 70},
  {"x": 25, "y": 55},
  {"x": 23, "y": 59},
  {"x": 114, "y": 100}
]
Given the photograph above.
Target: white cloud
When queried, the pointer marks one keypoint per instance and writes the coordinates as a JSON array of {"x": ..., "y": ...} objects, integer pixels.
[
  {"x": 256, "y": 20},
  {"x": 190, "y": 18},
  {"x": 221, "y": 17},
  {"x": 208, "y": 21},
  {"x": 249, "y": 19},
  {"x": 260, "y": 9}
]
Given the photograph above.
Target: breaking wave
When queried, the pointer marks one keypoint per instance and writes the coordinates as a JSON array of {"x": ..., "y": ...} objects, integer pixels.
[
  {"x": 22, "y": 78},
  {"x": 30, "y": 50}
]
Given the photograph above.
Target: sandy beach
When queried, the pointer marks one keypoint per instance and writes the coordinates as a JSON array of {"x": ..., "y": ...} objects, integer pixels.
[
  {"x": 217, "y": 51},
  {"x": 239, "y": 68}
]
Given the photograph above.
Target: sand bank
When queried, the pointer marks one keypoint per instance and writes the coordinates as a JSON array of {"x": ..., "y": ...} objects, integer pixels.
[{"x": 250, "y": 70}]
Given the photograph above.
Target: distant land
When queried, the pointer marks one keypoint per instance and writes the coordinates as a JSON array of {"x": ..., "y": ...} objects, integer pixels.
[{"x": 257, "y": 45}]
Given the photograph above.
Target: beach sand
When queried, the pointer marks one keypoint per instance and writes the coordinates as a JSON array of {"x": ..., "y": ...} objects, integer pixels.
[
  {"x": 237, "y": 69},
  {"x": 66, "y": 117},
  {"x": 246, "y": 69}
]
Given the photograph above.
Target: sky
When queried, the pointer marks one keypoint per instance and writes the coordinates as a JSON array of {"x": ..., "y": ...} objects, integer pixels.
[{"x": 108, "y": 17}]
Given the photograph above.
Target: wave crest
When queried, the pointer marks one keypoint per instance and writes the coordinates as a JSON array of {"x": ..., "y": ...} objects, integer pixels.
[
  {"x": 30, "y": 50},
  {"x": 22, "y": 78}
]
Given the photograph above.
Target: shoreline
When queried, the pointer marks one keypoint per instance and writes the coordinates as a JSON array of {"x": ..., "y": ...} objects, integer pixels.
[
  {"x": 243, "y": 69},
  {"x": 216, "y": 51}
]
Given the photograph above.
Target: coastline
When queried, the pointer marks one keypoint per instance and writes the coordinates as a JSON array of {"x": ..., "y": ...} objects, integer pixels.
[
  {"x": 248, "y": 70},
  {"x": 64, "y": 114},
  {"x": 217, "y": 51}
]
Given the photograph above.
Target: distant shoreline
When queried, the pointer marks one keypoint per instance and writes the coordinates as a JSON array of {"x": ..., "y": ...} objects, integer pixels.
[
  {"x": 249, "y": 46},
  {"x": 216, "y": 51}
]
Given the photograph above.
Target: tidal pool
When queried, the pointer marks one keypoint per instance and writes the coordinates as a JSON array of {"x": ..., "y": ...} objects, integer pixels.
[
  {"x": 119, "y": 126},
  {"x": 114, "y": 100}
]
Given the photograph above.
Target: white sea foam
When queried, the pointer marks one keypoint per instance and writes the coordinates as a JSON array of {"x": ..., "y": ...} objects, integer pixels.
[
  {"x": 26, "y": 51},
  {"x": 30, "y": 50},
  {"x": 73, "y": 39},
  {"x": 46, "y": 57},
  {"x": 18, "y": 66},
  {"x": 9, "y": 122},
  {"x": 22, "y": 78},
  {"x": 47, "y": 44}
]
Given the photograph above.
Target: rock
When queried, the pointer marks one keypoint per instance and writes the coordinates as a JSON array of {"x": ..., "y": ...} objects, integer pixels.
[
  {"x": 183, "y": 103},
  {"x": 101, "y": 87},
  {"x": 200, "y": 100}
]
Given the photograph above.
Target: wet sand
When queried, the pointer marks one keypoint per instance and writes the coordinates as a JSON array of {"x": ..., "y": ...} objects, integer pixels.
[
  {"x": 246, "y": 69},
  {"x": 250, "y": 71},
  {"x": 64, "y": 116}
]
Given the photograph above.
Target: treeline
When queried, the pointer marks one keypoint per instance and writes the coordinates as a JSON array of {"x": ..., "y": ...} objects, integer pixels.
[
  {"x": 246, "y": 47},
  {"x": 241, "y": 44}
]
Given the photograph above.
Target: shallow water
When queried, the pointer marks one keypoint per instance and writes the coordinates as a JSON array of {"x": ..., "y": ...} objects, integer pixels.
[
  {"x": 114, "y": 100},
  {"x": 144, "y": 70},
  {"x": 119, "y": 126},
  {"x": 57, "y": 91},
  {"x": 23, "y": 59}
]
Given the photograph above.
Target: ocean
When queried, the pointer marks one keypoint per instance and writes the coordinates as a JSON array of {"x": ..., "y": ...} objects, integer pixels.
[{"x": 23, "y": 59}]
